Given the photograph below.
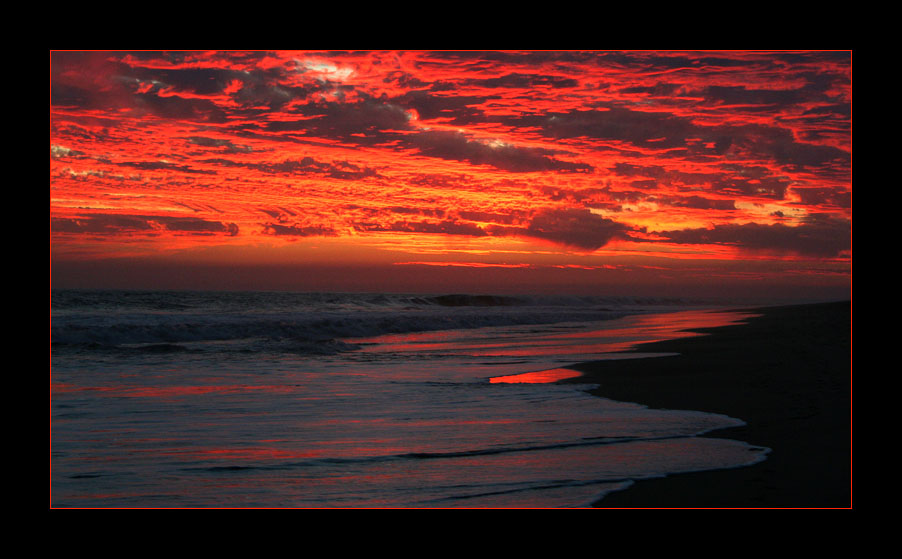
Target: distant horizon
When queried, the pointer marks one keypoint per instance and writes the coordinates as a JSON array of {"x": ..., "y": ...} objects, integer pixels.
[
  {"x": 635, "y": 173},
  {"x": 207, "y": 281}
]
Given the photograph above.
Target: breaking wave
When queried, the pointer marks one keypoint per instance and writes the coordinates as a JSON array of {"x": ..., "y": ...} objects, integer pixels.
[{"x": 164, "y": 321}]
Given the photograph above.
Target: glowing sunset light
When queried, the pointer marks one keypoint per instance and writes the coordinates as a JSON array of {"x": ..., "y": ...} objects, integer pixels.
[
  {"x": 517, "y": 170},
  {"x": 537, "y": 377}
]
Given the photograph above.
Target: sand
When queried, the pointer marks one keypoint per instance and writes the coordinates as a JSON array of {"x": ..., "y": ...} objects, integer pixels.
[{"x": 787, "y": 374}]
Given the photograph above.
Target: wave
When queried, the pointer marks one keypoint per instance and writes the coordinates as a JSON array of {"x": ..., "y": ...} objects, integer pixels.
[
  {"x": 305, "y": 322},
  {"x": 755, "y": 453},
  {"x": 299, "y": 329},
  {"x": 475, "y": 300}
]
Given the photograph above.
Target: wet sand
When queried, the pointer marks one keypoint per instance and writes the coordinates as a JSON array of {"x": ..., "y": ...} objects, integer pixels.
[{"x": 787, "y": 374}]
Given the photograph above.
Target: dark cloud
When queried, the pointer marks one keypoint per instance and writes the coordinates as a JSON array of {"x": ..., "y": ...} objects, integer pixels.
[
  {"x": 664, "y": 174},
  {"x": 376, "y": 122},
  {"x": 343, "y": 170},
  {"x": 457, "y": 146},
  {"x": 582, "y": 196},
  {"x": 427, "y": 212},
  {"x": 697, "y": 202},
  {"x": 459, "y": 109},
  {"x": 181, "y": 108},
  {"x": 767, "y": 187},
  {"x": 662, "y": 89},
  {"x": 824, "y": 196},
  {"x": 819, "y": 236},
  {"x": 529, "y": 58},
  {"x": 837, "y": 110},
  {"x": 405, "y": 80},
  {"x": 99, "y": 224},
  {"x": 269, "y": 87},
  {"x": 781, "y": 145},
  {"x": 88, "y": 80},
  {"x": 732, "y": 180},
  {"x": 663, "y": 130},
  {"x": 446, "y": 227},
  {"x": 114, "y": 224},
  {"x": 573, "y": 227},
  {"x": 196, "y": 225},
  {"x": 278, "y": 229},
  {"x": 336, "y": 169},
  {"x": 228, "y": 145},
  {"x": 350, "y": 122},
  {"x": 753, "y": 99},
  {"x": 162, "y": 166},
  {"x": 119, "y": 80},
  {"x": 441, "y": 180},
  {"x": 648, "y": 61},
  {"x": 615, "y": 123},
  {"x": 199, "y": 81},
  {"x": 520, "y": 80}
]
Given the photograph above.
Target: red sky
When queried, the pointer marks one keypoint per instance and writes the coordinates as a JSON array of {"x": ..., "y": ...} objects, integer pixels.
[{"x": 637, "y": 171}]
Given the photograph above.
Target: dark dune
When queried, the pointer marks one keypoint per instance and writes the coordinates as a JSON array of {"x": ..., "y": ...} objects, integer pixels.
[{"x": 786, "y": 373}]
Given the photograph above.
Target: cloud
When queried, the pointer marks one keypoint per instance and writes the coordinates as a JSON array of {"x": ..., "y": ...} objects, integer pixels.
[
  {"x": 111, "y": 224},
  {"x": 741, "y": 95},
  {"x": 459, "y": 109},
  {"x": 156, "y": 83},
  {"x": 228, "y": 145},
  {"x": 181, "y": 108},
  {"x": 665, "y": 130},
  {"x": 819, "y": 236},
  {"x": 732, "y": 180},
  {"x": 417, "y": 211},
  {"x": 780, "y": 145},
  {"x": 507, "y": 218},
  {"x": 271, "y": 87},
  {"x": 824, "y": 196},
  {"x": 522, "y": 80},
  {"x": 336, "y": 169},
  {"x": 572, "y": 227},
  {"x": 697, "y": 202},
  {"x": 314, "y": 144},
  {"x": 575, "y": 228},
  {"x": 378, "y": 122},
  {"x": 641, "y": 128},
  {"x": 457, "y": 146},
  {"x": 277, "y": 229},
  {"x": 446, "y": 227},
  {"x": 196, "y": 80},
  {"x": 343, "y": 170},
  {"x": 60, "y": 152},
  {"x": 279, "y": 213},
  {"x": 369, "y": 121},
  {"x": 162, "y": 166}
]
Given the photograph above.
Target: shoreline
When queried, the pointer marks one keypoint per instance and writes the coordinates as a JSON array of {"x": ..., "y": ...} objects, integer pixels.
[{"x": 785, "y": 373}]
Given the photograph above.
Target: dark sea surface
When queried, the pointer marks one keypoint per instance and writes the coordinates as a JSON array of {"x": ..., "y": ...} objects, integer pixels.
[{"x": 270, "y": 399}]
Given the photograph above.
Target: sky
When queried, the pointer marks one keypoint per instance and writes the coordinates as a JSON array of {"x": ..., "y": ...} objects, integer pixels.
[{"x": 621, "y": 172}]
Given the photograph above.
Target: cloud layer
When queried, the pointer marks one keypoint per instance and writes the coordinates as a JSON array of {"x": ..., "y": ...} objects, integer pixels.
[{"x": 740, "y": 153}]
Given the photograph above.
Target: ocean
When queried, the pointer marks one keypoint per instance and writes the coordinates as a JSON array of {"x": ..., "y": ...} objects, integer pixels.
[{"x": 170, "y": 399}]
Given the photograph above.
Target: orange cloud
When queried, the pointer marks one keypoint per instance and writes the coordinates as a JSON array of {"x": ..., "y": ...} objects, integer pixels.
[{"x": 738, "y": 154}]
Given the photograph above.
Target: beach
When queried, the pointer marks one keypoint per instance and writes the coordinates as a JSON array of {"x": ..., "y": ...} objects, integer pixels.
[
  {"x": 786, "y": 373},
  {"x": 322, "y": 400}
]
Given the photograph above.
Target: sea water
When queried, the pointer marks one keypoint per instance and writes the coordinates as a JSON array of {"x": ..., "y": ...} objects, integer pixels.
[{"x": 315, "y": 400}]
